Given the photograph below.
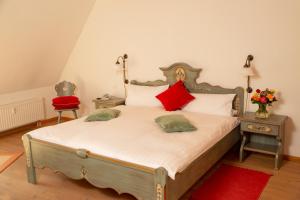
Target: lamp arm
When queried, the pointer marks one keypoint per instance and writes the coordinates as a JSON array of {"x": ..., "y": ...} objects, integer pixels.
[
  {"x": 248, "y": 64},
  {"x": 125, "y": 80}
]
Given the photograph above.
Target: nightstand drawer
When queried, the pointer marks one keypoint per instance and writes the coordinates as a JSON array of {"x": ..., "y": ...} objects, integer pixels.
[{"x": 260, "y": 128}]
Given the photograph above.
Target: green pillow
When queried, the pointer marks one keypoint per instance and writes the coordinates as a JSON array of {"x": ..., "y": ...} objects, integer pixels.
[
  {"x": 174, "y": 123},
  {"x": 103, "y": 114}
]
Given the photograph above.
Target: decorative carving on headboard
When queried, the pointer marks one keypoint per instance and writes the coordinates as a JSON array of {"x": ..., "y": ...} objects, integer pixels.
[
  {"x": 189, "y": 75},
  {"x": 181, "y": 71},
  {"x": 149, "y": 83},
  {"x": 180, "y": 74}
]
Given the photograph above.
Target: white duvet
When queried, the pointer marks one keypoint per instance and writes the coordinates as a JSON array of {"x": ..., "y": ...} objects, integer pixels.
[{"x": 135, "y": 137}]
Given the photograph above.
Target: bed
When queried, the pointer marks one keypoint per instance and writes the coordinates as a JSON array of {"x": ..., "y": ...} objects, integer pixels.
[{"x": 162, "y": 174}]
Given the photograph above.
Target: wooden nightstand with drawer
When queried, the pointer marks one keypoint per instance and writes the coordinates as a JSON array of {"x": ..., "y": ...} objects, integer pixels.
[
  {"x": 109, "y": 103},
  {"x": 263, "y": 136}
]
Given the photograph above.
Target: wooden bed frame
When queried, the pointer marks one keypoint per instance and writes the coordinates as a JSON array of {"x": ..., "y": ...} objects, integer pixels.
[{"x": 140, "y": 181}]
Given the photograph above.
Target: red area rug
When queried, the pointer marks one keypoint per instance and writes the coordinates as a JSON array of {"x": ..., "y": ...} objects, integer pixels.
[{"x": 232, "y": 183}]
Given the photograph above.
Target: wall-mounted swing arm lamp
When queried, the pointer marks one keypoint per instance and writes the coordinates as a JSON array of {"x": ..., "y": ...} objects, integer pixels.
[
  {"x": 123, "y": 59},
  {"x": 248, "y": 72}
]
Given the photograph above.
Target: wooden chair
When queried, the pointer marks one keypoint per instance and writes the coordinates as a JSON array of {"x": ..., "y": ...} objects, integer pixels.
[{"x": 65, "y": 91}]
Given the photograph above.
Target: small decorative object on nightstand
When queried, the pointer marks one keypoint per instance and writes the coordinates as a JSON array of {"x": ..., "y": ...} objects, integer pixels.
[
  {"x": 263, "y": 136},
  {"x": 108, "y": 102}
]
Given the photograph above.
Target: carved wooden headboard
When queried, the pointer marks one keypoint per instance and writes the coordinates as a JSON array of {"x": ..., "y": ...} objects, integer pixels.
[{"x": 189, "y": 75}]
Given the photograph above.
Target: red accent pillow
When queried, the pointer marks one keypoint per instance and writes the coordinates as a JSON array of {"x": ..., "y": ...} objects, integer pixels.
[
  {"x": 175, "y": 97},
  {"x": 65, "y": 102}
]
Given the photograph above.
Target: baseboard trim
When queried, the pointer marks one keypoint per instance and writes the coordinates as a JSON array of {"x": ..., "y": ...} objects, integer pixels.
[
  {"x": 291, "y": 158},
  {"x": 32, "y": 126}
]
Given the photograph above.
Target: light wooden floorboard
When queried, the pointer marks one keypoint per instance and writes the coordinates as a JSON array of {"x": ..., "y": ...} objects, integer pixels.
[{"x": 283, "y": 185}]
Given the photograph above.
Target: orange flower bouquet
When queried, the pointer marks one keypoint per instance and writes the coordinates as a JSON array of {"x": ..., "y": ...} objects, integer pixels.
[{"x": 263, "y": 98}]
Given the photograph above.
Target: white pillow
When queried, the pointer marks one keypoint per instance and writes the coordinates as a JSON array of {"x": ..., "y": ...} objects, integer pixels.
[
  {"x": 214, "y": 104},
  {"x": 144, "y": 95}
]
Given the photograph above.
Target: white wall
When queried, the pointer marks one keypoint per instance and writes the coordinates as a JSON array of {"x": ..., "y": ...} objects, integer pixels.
[
  {"x": 47, "y": 93},
  {"x": 36, "y": 39},
  {"x": 210, "y": 34}
]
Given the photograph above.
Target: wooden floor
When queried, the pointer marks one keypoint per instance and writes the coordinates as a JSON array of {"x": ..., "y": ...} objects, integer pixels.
[{"x": 283, "y": 185}]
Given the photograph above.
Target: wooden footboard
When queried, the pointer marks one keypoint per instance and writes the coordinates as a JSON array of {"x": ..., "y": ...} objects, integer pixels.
[
  {"x": 124, "y": 177},
  {"x": 140, "y": 181}
]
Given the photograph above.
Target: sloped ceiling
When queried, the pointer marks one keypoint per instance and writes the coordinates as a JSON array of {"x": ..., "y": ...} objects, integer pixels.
[{"x": 36, "y": 38}]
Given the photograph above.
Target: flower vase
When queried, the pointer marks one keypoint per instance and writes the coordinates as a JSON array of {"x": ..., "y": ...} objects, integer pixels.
[{"x": 262, "y": 111}]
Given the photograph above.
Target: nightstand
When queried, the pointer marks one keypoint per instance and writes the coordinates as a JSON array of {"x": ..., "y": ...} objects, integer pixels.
[
  {"x": 263, "y": 136},
  {"x": 109, "y": 103}
]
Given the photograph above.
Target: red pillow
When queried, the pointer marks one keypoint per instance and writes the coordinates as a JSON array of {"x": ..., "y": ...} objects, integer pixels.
[
  {"x": 65, "y": 102},
  {"x": 175, "y": 97}
]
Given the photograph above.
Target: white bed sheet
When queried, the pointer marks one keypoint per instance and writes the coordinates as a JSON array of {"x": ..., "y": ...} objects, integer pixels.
[{"x": 135, "y": 137}]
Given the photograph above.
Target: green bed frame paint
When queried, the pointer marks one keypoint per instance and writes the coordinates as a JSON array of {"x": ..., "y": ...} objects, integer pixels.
[{"x": 124, "y": 177}]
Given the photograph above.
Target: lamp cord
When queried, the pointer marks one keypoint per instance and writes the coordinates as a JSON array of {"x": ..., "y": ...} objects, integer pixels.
[
  {"x": 125, "y": 80},
  {"x": 125, "y": 89},
  {"x": 247, "y": 103}
]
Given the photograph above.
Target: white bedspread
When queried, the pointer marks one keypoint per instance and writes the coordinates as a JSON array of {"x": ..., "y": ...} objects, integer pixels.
[{"x": 135, "y": 137}]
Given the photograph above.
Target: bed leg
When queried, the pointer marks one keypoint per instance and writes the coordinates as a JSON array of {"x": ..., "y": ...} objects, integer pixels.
[
  {"x": 31, "y": 176},
  {"x": 160, "y": 179}
]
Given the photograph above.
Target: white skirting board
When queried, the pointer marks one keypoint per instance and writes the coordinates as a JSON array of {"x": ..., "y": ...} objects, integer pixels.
[{"x": 20, "y": 113}]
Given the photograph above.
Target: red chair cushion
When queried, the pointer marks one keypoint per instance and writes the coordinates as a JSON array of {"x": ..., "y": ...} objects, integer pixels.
[
  {"x": 65, "y": 102},
  {"x": 175, "y": 97},
  {"x": 66, "y": 106}
]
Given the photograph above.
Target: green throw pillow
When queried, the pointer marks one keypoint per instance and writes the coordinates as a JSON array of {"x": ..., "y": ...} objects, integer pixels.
[
  {"x": 174, "y": 123},
  {"x": 103, "y": 114}
]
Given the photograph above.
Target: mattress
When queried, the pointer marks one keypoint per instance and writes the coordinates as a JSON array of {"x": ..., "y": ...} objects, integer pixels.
[{"x": 135, "y": 137}]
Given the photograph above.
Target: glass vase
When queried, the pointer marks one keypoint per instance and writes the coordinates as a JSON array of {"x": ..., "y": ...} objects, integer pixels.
[{"x": 262, "y": 111}]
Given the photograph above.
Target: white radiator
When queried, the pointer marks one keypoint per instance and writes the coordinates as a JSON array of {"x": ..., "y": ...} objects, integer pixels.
[{"x": 21, "y": 113}]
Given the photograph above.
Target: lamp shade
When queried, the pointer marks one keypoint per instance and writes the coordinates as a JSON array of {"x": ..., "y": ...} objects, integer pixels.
[{"x": 248, "y": 71}]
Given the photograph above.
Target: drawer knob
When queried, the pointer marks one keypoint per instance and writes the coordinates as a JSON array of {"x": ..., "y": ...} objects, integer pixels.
[{"x": 259, "y": 128}]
